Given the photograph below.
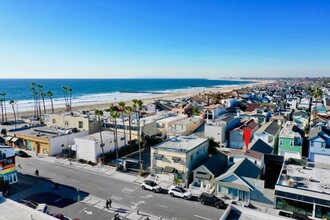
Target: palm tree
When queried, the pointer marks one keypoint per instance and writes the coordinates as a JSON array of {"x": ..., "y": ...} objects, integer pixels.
[
  {"x": 99, "y": 113},
  {"x": 137, "y": 104},
  {"x": 65, "y": 93},
  {"x": 122, "y": 110},
  {"x": 39, "y": 98},
  {"x": 4, "y": 104},
  {"x": 2, "y": 116},
  {"x": 50, "y": 94},
  {"x": 35, "y": 106},
  {"x": 317, "y": 93},
  {"x": 70, "y": 94},
  {"x": 129, "y": 110},
  {"x": 43, "y": 101},
  {"x": 12, "y": 103},
  {"x": 114, "y": 114}
]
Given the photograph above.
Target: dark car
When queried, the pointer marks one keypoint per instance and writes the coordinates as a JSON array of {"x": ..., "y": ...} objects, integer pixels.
[
  {"x": 21, "y": 154},
  {"x": 212, "y": 200},
  {"x": 58, "y": 216}
]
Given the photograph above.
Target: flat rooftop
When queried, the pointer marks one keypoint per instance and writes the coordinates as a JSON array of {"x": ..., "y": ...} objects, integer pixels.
[
  {"x": 181, "y": 144},
  {"x": 287, "y": 130},
  {"x": 241, "y": 213},
  {"x": 42, "y": 132},
  {"x": 11, "y": 210},
  {"x": 186, "y": 121},
  {"x": 106, "y": 135},
  {"x": 170, "y": 118},
  {"x": 314, "y": 177}
]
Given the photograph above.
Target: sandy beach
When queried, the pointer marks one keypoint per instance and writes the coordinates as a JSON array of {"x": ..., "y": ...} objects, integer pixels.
[{"x": 104, "y": 105}]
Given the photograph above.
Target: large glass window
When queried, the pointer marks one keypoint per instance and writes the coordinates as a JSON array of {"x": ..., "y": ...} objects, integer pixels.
[
  {"x": 294, "y": 206},
  {"x": 322, "y": 212}
]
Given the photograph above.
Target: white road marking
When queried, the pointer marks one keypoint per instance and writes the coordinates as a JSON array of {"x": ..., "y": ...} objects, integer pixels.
[
  {"x": 88, "y": 212},
  {"x": 116, "y": 198},
  {"x": 82, "y": 210},
  {"x": 162, "y": 206},
  {"x": 198, "y": 216},
  {"x": 100, "y": 188},
  {"x": 135, "y": 204},
  {"x": 77, "y": 181},
  {"x": 146, "y": 197},
  {"x": 127, "y": 190},
  {"x": 129, "y": 196}
]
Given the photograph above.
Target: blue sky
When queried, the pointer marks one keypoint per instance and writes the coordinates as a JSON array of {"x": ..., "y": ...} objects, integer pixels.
[{"x": 170, "y": 38}]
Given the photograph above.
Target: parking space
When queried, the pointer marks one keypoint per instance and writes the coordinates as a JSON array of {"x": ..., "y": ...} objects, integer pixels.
[{"x": 145, "y": 157}]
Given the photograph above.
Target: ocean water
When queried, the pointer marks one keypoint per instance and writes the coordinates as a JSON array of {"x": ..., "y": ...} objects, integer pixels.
[{"x": 89, "y": 91}]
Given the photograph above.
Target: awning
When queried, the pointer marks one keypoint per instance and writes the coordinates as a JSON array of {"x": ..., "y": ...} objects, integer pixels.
[
  {"x": 158, "y": 168},
  {"x": 176, "y": 159},
  {"x": 201, "y": 175},
  {"x": 8, "y": 138},
  {"x": 14, "y": 139},
  {"x": 158, "y": 156},
  {"x": 168, "y": 169}
]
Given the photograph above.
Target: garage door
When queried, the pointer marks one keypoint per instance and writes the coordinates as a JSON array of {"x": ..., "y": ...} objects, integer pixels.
[
  {"x": 286, "y": 155},
  {"x": 320, "y": 158}
]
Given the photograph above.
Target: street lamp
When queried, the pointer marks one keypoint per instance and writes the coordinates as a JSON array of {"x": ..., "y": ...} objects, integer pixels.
[
  {"x": 187, "y": 177},
  {"x": 67, "y": 139}
]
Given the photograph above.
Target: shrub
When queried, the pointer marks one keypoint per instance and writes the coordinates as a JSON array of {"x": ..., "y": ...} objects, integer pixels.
[
  {"x": 82, "y": 161},
  {"x": 91, "y": 163}
]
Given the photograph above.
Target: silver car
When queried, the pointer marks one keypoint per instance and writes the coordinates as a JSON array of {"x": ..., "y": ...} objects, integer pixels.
[
  {"x": 151, "y": 185},
  {"x": 180, "y": 192}
]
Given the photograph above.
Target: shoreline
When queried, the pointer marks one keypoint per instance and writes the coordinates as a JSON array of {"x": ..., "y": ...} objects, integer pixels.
[{"x": 25, "y": 114}]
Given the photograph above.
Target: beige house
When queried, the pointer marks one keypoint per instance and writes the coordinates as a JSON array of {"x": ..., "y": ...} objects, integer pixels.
[
  {"x": 72, "y": 120},
  {"x": 185, "y": 127},
  {"x": 166, "y": 123},
  {"x": 178, "y": 157}
]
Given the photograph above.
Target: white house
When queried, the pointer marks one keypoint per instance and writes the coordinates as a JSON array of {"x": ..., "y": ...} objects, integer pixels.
[
  {"x": 88, "y": 147},
  {"x": 319, "y": 145}
]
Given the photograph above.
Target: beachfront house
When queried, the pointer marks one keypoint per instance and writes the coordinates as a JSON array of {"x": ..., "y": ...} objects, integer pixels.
[
  {"x": 241, "y": 182},
  {"x": 204, "y": 175},
  {"x": 72, "y": 120},
  {"x": 47, "y": 140},
  {"x": 89, "y": 147},
  {"x": 304, "y": 189},
  {"x": 8, "y": 173},
  {"x": 290, "y": 141},
  {"x": 178, "y": 157},
  {"x": 166, "y": 123},
  {"x": 236, "y": 139},
  {"x": 185, "y": 126},
  {"x": 212, "y": 112},
  {"x": 269, "y": 133},
  {"x": 319, "y": 145}
]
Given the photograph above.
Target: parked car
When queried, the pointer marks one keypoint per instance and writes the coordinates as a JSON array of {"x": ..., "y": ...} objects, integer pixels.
[
  {"x": 21, "y": 154},
  {"x": 6, "y": 123},
  {"x": 212, "y": 200},
  {"x": 42, "y": 207},
  {"x": 180, "y": 192},
  {"x": 58, "y": 216},
  {"x": 151, "y": 185},
  {"x": 118, "y": 161}
]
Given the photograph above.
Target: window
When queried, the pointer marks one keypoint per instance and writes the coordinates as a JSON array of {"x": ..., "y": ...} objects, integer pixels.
[
  {"x": 191, "y": 158},
  {"x": 81, "y": 124},
  {"x": 54, "y": 121},
  {"x": 312, "y": 144},
  {"x": 123, "y": 138},
  {"x": 66, "y": 123},
  {"x": 291, "y": 143},
  {"x": 281, "y": 142}
]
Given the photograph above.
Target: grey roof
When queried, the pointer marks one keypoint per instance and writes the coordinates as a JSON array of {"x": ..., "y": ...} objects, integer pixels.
[
  {"x": 228, "y": 118},
  {"x": 273, "y": 128},
  {"x": 300, "y": 113},
  {"x": 262, "y": 147},
  {"x": 243, "y": 168},
  {"x": 314, "y": 132},
  {"x": 216, "y": 164}
]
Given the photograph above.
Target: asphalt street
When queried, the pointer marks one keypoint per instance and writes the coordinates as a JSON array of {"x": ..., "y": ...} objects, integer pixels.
[{"x": 124, "y": 194}]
